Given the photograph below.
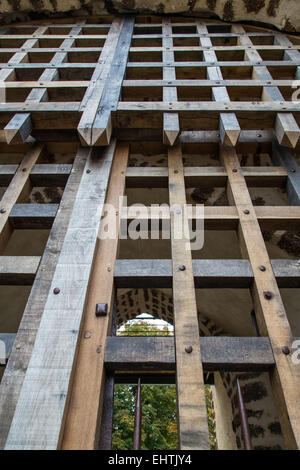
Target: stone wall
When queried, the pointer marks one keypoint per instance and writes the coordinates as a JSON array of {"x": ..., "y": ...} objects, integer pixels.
[{"x": 283, "y": 14}]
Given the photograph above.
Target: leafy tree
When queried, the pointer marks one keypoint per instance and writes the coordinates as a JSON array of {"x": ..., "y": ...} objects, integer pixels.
[{"x": 159, "y": 420}]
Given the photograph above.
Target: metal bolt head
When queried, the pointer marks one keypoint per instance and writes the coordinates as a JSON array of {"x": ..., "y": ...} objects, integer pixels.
[
  {"x": 285, "y": 350},
  {"x": 182, "y": 267},
  {"x": 262, "y": 268},
  {"x": 189, "y": 349},
  {"x": 56, "y": 290},
  {"x": 268, "y": 295},
  {"x": 246, "y": 211},
  {"x": 2, "y": 211},
  {"x": 293, "y": 170},
  {"x": 88, "y": 171},
  {"x": 24, "y": 169},
  {"x": 101, "y": 310},
  {"x": 234, "y": 170},
  {"x": 175, "y": 171}
]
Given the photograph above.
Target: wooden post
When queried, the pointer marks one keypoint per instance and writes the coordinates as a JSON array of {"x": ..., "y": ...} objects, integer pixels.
[{"x": 192, "y": 419}]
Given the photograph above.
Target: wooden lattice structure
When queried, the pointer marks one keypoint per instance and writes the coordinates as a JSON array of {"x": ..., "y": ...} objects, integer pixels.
[{"x": 96, "y": 87}]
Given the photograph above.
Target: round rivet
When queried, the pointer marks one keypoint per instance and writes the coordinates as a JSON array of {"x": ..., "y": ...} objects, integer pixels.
[
  {"x": 175, "y": 171},
  {"x": 246, "y": 211},
  {"x": 24, "y": 169},
  {"x": 262, "y": 268},
  {"x": 2, "y": 211},
  {"x": 293, "y": 170},
  {"x": 56, "y": 290},
  {"x": 268, "y": 295},
  {"x": 109, "y": 269},
  {"x": 88, "y": 171},
  {"x": 285, "y": 350},
  {"x": 87, "y": 334},
  {"x": 188, "y": 349},
  {"x": 258, "y": 135},
  {"x": 182, "y": 267},
  {"x": 234, "y": 170}
]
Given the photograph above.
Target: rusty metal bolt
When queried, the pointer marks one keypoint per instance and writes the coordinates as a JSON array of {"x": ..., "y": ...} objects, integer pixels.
[
  {"x": 182, "y": 267},
  {"x": 285, "y": 350},
  {"x": 262, "y": 268},
  {"x": 2, "y": 211},
  {"x": 268, "y": 295},
  {"x": 189, "y": 349},
  {"x": 246, "y": 211},
  {"x": 56, "y": 290}
]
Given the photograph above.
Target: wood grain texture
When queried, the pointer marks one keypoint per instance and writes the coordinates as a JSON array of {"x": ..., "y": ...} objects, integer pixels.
[
  {"x": 84, "y": 412},
  {"x": 48, "y": 377},
  {"x": 192, "y": 418},
  {"x": 271, "y": 313}
]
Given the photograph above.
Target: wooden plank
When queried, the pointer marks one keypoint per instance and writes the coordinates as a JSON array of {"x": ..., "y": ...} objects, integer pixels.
[
  {"x": 18, "y": 129},
  {"x": 54, "y": 174},
  {"x": 6, "y": 344},
  {"x": 13, "y": 377},
  {"x": 271, "y": 314},
  {"x": 91, "y": 101},
  {"x": 18, "y": 270},
  {"x": 157, "y": 177},
  {"x": 286, "y": 128},
  {"x": 102, "y": 126},
  {"x": 33, "y": 216},
  {"x": 48, "y": 377},
  {"x": 229, "y": 126},
  {"x": 84, "y": 413},
  {"x": 218, "y": 354},
  {"x": 210, "y": 273},
  {"x": 282, "y": 156},
  {"x": 171, "y": 127},
  {"x": 12, "y": 194},
  {"x": 192, "y": 419}
]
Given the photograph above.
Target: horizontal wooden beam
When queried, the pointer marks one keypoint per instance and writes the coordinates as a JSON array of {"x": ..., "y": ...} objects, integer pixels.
[
  {"x": 33, "y": 216},
  {"x": 138, "y": 177},
  {"x": 208, "y": 273},
  {"x": 158, "y": 354},
  {"x": 18, "y": 270},
  {"x": 40, "y": 175}
]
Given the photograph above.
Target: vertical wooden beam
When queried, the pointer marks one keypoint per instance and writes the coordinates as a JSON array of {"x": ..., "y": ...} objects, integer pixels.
[
  {"x": 84, "y": 414},
  {"x": 14, "y": 190},
  {"x": 48, "y": 377},
  {"x": 102, "y": 126},
  {"x": 91, "y": 101},
  {"x": 268, "y": 304},
  {"x": 228, "y": 123},
  {"x": 282, "y": 156},
  {"x": 285, "y": 127},
  {"x": 171, "y": 127},
  {"x": 192, "y": 419},
  {"x": 14, "y": 374}
]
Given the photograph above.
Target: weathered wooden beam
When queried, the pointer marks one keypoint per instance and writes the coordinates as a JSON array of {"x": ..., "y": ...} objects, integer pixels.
[
  {"x": 269, "y": 308},
  {"x": 192, "y": 418},
  {"x": 102, "y": 125},
  {"x": 14, "y": 373},
  {"x": 170, "y": 120},
  {"x": 218, "y": 354},
  {"x": 92, "y": 98},
  {"x": 53, "y": 354},
  {"x": 18, "y": 129},
  {"x": 282, "y": 156},
  {"x": 210, "y": 273},
  {"x": 157, "y": 177},
  {"x": 18, "y": 270},
  {"x": 83, "y": 418},
  {"x": 50, "y": 175},
  {"x": 17, "y": 186},
  {"x": 228, "y": 125},
  {"x": 33, "y": 216}
]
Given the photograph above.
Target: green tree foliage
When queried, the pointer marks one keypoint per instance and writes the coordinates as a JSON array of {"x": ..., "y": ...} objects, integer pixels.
[{"x": 159, "y": 420}]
